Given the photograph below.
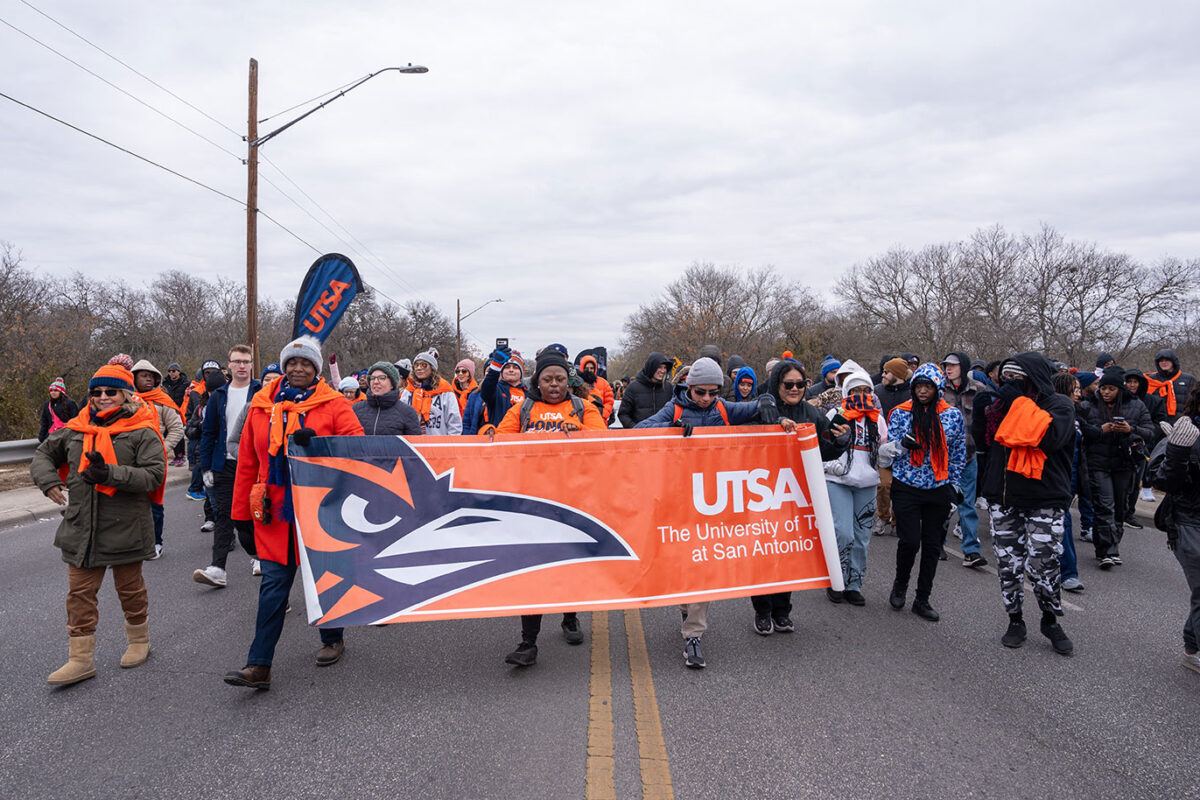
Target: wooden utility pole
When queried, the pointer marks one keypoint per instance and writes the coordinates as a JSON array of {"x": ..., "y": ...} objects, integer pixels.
[
  {"x": 457, "y": 329},
  {"x": 252, "y": 220}
]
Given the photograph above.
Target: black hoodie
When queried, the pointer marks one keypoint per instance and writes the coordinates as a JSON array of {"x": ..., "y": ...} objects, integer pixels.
[
  {"x": 644, "y": 396},
  {"x": 1053, "y": 490},
  {"x": 1182, "y": 384},
  {"x": 771, "y": 407},
  {"x": 1155, "y": 404}
]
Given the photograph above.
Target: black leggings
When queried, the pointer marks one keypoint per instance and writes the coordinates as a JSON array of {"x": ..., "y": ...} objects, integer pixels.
[{"x": 921, "y": 516}]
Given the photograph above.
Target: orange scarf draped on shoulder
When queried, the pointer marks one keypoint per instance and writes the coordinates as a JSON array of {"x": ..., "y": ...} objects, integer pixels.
[
  {"x": 1163, "y": 388},
  {"x": 1021, "y": 430},
  {"x": 99, "y": 438},
  {"x": 422, "y": 399},
  {"x": 939, "y": 456},
  {"x": 160, "y": 397},
  {"x": 462, "y": 393},
  {"x": 280, "y": 430}
]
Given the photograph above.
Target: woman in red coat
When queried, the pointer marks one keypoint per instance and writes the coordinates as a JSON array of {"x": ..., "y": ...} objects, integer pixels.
[{"x": 299, "y": 401}]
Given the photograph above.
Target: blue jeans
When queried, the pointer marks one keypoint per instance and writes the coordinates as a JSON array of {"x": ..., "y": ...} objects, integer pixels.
[
  {"x": 197, "y": 484},
  {"x": 853, "y": 512},
  {"x": 156, "y": 510},
  {"x": 272, "y": 605},
  {"x": 1087, "y": 515},
  {"x": 1066, "y": 562},
  {"x": 968, "y": 517}
]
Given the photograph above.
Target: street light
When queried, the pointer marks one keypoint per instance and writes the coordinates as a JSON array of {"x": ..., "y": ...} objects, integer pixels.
[
  {"x": 253, "y": 142},
  {"x": 458, "y": 324}
]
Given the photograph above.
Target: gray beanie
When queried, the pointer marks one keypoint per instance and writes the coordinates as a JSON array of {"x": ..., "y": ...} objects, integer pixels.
[
  {"x": 429, "y": 358},
  {"x": 305, "y": 347},
  {"x": 705, "y": 372},
  {"x": 387, "y": 369}
]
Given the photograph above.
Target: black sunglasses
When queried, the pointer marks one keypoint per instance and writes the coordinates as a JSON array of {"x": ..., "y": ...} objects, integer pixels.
[
  {"x": 706, "y": 392},
  {"x": 789, "y": 385},
  {"x": 104, "y": 392}
]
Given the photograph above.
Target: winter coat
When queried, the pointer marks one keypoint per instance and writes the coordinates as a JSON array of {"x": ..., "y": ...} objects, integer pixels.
[
  {"x": 170, "y": 420},
  {"x": 743, "y": 373},
  {"x": 892, "y": 396},
  {"x": 1113, "y": 452},
  {"x": 1155, "y": 404},
  {"x": 497, "y": 396},
  {"x": 1178, "y": 475},
  {"x": 385, "y": 415},
  {"x": 900, "y": 424},
  {"x": 1182, "y": 383},
  {"x": 772, "y": 407},
  {"x": 644, "y": 395},
  {"x": 64, "y": 408},
  {"x": 98, "y": 530},
  {"x": 473, "y": 414},
  {"x": 444, "y": 419},
  {"x": 1053, "y": 490},
  {"x": 963, "y": 397},
  {"x": 737, "y": 413},
  {"x": 213, "y": 448},
  {"x": 276, "y": 540},
  {"x": 178, "y": 389}
]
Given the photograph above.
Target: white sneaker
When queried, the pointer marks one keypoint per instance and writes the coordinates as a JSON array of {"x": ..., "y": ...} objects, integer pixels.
[
  {"x": 1191, "y": 661},
  {"x": 212, "y": 576},
  {"x": 1148, "y": 495},
  {"x": 207, "y": 526},
  {"x": 958, "y": 532},
  {"x": 255, "y": 567},
  {"x": 157, "y": 553}
]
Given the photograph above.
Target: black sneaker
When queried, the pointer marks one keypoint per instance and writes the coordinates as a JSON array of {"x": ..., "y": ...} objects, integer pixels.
[
  {"x": 854, "y": 597},
  {"x": 1015, "y": 635},
  {"x": 972, "y": 560},
  {"x": 1085, "y": 535},
  {"x": 524, "y": 656},
  {"x": 942, "y": 555},
  {"x": 1130, "y": 522},
  {"x": 783, "y": 624},
  {"x": 1058, "y": 639},
  {"x": 896, "y": 598},
  {"x": 925, "y": 611},
  {"x": 834, "y": 597},
  {"x": 1115, "y": 559},
  {"x": 571, "y": 632},
  {"x": 1106, "y": 563},
  {"x": 693, "y": 657},
  {"x": 763, "y": 626}
]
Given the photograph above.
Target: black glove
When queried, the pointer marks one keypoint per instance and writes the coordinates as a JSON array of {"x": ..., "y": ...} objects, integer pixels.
[
  {"x": 910, "y": 442},
  {"x": 1010, "y": 391},
  {"x": 683, "y": 423},
  {"x": 768, "y": 412},
  {"x": 97, "y": 471},
  {"x": 303, "y": 436}
]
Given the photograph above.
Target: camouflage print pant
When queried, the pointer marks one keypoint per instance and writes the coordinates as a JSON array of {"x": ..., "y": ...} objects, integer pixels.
[{"x": 1028, "y": 542}]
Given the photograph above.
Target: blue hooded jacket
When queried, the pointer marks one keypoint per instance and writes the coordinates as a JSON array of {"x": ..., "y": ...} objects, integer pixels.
[
  {"x": 745, "y": 372},
  {"x": 739, "y": 413},
  {"x": 953, "y": 427}
]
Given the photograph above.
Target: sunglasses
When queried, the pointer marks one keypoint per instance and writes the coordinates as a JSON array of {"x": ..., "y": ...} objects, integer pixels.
[
  {"x": 462, "y": 372},
  {"x": 792, "y": 385},
  {"x": 104, "y": 392},
  {"x": 706, "y": 392}
]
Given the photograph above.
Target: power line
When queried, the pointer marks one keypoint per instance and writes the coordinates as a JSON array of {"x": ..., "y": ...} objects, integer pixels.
[
  {"x": 122, "y": 91},
  {"x": 177, "y": 174},
  {"x": 306, "y": 102},
  {"x": 131, "y": 69}
]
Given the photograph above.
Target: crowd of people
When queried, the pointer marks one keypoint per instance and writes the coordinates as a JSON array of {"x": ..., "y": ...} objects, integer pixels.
[{"x": 915, "y": 450}]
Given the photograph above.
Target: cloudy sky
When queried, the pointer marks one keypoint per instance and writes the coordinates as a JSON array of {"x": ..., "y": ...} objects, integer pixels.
[{"x": 573, "y": 159}]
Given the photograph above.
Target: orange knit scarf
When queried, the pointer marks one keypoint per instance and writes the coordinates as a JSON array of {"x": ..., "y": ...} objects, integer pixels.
[
  {"x": 280, "y": 430},
  {"x": 1163, "y": 388},
  {"x": 99, "y": 438}
]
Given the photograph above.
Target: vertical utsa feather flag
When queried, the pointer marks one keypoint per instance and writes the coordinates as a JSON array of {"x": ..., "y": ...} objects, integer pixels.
[
  {"x": 331, "y": 283},
  {"x": 444, "y": 527}
]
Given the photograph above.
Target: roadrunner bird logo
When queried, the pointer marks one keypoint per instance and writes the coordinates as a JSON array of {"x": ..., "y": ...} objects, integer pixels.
[{"x": 384, "y": 535}]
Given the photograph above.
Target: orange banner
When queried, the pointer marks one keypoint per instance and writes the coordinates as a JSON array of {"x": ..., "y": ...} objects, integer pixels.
[{"x": 446, "y": 527}]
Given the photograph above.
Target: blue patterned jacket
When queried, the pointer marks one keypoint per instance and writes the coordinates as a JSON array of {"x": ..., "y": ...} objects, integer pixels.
[{"x": 955, "y": 430}]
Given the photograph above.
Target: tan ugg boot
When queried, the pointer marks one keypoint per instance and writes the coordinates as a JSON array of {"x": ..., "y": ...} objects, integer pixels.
[
  {"x": 138, "y": 650},
  {"x": 79, "y": 666}
]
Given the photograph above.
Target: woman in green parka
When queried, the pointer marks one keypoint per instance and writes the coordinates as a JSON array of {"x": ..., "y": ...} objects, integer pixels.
[{"x": 106, "y": 466}]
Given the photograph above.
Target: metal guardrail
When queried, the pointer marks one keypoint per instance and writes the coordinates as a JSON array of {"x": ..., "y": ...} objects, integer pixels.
[{"x": 16, "y": 451}]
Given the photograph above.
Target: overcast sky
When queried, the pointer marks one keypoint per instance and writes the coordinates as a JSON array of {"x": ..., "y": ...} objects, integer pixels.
[{"x": 574, "y": 158}]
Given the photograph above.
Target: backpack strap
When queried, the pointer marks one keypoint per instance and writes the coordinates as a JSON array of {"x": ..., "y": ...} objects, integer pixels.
[
  {"x": 577, "y": 405},
  {"x": 724, "y": 412},
  {"x": 525, "y": 412},
  {"x": 677, "y": 413}
]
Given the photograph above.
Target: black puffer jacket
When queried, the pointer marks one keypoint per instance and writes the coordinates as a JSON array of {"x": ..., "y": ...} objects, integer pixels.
[
  {"x": 892, "y": 396},
  {"x": 385, "y": 415},
  {"x": 64, "y": 408},
  {"x": 1154, "y": 403},
  {"x": 1053, "y": 490},
  {"x": 1182, "y": 384},
  {"x": 771, "y": 407},
  {"x": 1179, "y": 476},
  {"x": 644, "y": 395},
  {"x": 1113, "y": 452}
]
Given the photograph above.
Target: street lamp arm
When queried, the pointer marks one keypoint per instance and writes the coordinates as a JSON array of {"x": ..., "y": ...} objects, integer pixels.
[
  {"x": 488, "y": 303},
  {"x": 408, "y": 69}
]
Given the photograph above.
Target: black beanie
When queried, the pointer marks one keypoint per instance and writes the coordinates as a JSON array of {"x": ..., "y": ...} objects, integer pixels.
[
  {"x": 550, "y": 358},
  {"x": 1113, "y": 376}
]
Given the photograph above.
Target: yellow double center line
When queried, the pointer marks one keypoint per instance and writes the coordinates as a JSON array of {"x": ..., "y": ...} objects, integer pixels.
[{"x": 652, "y": 748}]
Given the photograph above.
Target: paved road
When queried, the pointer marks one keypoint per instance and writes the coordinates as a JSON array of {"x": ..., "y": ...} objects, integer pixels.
[{"x": 860, "y": 702}]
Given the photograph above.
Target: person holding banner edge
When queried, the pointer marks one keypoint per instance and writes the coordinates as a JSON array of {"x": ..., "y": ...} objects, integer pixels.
[{"x": 299, "y": 403}]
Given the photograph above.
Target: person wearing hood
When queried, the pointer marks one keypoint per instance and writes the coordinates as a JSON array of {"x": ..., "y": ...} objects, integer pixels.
[
  {"x": 698, "y": 404},
  {"x": 299, "y": 404},
  {"x": 782, "y": 402},
  {"x": 745, "y": 385},
  {"x": 1103, "y": 362},
  {"x": 926, "y": 475},
  {"x": 1138, "y": 386},
  {"x": 598, "y": 387},
  {"x": 192, "y": 409},
  {"x": 432, "y": 397},
  {"x": 1114, "y": 423},
  {"x": 1031, "y": 431},
  {"x": 961, "y": 391},
  {"x": 106, "y": 465},
  {"x": 147, "y": 381},
  {"x": 1178, "y": 475},
  {"x": 1170, "y": 383},
  {"x": 731, "y": 368},
  {"x": 549, "y": 406},
  {"x": 217, "y": 453},
  {"x": 647, "y": 392},
  {"x": 852, "y": 480},
  {"x": 382, "y": 413},
  {"x": 711, "y": 351},
  {"x": 464, "y": 382},
  {"x": 503, "y": 387},
  {"x": 58, "y": 409},
  {"x": 829, "y": 368}
]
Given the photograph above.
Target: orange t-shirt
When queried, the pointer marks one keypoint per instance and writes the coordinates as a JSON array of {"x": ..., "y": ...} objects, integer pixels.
[{"x": 547, "y": 417}]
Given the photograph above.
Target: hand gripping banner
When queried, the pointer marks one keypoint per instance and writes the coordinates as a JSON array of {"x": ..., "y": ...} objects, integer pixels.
[
  {"x": 448, "y": 527},
  {"x": 325, "y": 294}
]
